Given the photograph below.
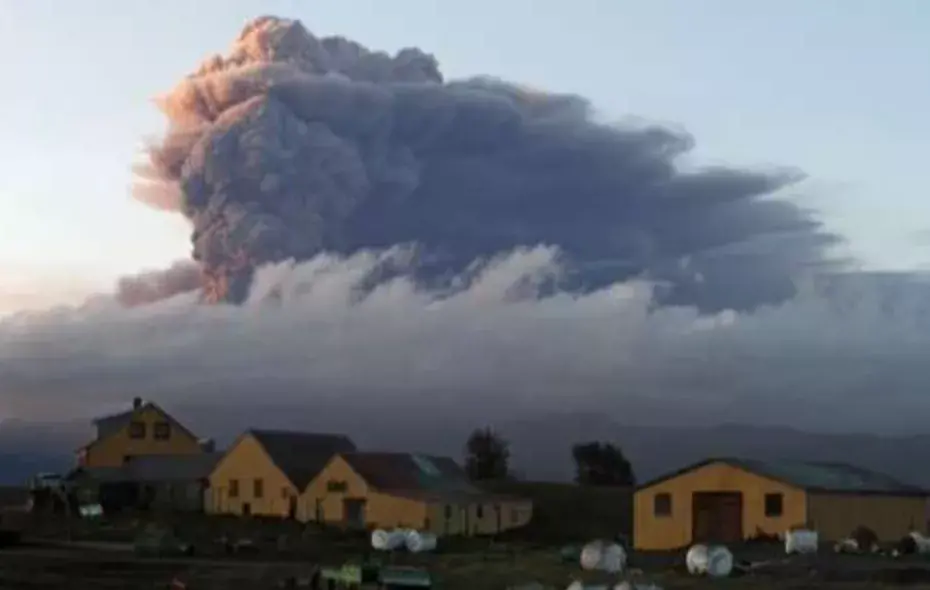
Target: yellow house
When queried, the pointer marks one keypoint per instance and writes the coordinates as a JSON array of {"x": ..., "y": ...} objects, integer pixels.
[
  {"x": 370, "y": 490},
  {"x": 143, "y": 430},
  {"x": 264, "y": 471},
  {"x": 728, "y": 500}
]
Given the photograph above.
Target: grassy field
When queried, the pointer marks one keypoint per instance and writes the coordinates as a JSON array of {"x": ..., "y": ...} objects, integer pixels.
[
  {"x": 41, "y": 570},
  {"x": 281, "y": 549}
]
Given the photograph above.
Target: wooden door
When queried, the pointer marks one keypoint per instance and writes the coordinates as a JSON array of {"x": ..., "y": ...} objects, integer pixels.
[
  {"x": 353, "y": 511},
  {"x": 717, "y": 517}
]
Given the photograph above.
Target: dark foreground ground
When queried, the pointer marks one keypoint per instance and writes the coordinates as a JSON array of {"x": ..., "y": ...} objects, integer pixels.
[
  {"x": 116, "y": 567},
  {"x": 98, "y": 554}
]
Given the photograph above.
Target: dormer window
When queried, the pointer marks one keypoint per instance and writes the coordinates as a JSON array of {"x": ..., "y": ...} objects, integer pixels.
[{"x": 137, "y": 429}]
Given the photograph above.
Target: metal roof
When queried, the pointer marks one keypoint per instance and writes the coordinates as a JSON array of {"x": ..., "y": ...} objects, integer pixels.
[
  {"x": 812, "y": 476},
  {"x": 155, "y": 468},
  {"x": 301, "y": 455},
  {"x": 415, "y": 476},
  {"x": 173, "y": 467}
]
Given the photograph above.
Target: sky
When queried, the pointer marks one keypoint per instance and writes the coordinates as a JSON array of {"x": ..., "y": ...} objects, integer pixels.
[{"x": 832, "y": 87}]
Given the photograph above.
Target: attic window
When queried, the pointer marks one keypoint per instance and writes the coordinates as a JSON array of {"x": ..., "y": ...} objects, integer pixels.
[
  {"x": 162, "y": 431},
  {"x": 136, "y": 429},
  {"x": 336, "y": 486}
]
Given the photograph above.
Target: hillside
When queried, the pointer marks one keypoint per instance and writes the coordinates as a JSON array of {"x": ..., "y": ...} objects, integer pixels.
[{"x": 541, "y": 447}]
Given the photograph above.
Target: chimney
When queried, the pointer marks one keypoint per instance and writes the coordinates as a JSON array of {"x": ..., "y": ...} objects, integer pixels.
[{"x": 136, "y": 403}]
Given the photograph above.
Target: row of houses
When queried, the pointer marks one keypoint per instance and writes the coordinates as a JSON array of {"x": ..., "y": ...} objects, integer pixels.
[{"x": 145, "y": 458}]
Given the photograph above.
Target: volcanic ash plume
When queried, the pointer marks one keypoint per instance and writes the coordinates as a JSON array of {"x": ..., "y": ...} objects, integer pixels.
[{"x": 292, "y": 145}]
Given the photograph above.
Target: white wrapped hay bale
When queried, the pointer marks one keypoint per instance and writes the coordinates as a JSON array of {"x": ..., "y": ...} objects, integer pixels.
[
  {"x": 608, "y": 557},
  {"x": 696, "y": 560},
  {"x": 801, "y": 541},
  {"x": 591, "y": 555},
  {"x": 716, "y": 561},
  {"x": 719, "y": 562},
  {"x": 847, "y": 545},
  {"x": 613, "y": 559},
  {"x": 921, "y": 543},
  {"x": 382, "y": 540},
  {"x": 420, "y": 542}
]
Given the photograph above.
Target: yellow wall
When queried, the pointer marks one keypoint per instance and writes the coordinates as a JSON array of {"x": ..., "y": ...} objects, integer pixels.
[
  {"x": 835, "y": 516},
  {"x": 652, "y": 532},
  {"x": 245, "y": 462},
  {"x": 384, "y": 510},
  {"x": 111, "y": 451},
  {"x": 381, "y": 510}
]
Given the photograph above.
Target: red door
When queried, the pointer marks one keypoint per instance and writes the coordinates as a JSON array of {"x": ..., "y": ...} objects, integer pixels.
[{"x": 717, "y": 517}]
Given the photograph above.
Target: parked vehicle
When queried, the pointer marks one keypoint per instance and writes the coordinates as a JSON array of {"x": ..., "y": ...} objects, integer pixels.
[{"x": 372, "y": 575}]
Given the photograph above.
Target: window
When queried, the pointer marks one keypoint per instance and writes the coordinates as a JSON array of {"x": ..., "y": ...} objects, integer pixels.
[
  {"x": 258, "y": 488},
  {"x": 336, "y": 486},
  {"x": 773, "y": 505},
  {"x": 136, "y": 429},
  {"x": 285, "y": 493},
  {"x": 514, "y": 516},
  {"x": 448, "y": 512},
  {"x": 662, "y": 504},
  {"x": 162, "y": 431},
  {"x": 234, "y": 488},
  {"x": 479, "y": 512}
]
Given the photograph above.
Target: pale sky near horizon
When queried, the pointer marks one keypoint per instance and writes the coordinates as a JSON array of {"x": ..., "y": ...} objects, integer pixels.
[{"x": 838, "y": 88}]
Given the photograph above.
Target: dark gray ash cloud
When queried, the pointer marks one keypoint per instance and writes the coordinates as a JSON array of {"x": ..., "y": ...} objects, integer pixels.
[
  {"x": 292, "y": 145},
  {"x": 306, "y": 166},
  {"x": 341, "y": 347}
]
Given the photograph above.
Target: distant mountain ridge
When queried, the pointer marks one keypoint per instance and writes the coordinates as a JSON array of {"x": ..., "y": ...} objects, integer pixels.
[{"x": 541, "y": 447}]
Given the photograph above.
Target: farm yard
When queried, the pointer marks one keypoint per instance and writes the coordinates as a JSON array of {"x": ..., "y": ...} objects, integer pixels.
[{"x": 232, "y": 553}]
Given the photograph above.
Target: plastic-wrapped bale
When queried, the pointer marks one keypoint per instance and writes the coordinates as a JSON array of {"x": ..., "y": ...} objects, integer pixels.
[
  {"x": 719, "y": 562},
  {"x": 599, "y": 555},
  {"x": 382, "y": 540},
  {"x": 419, "y": 542},
  {"x": 613, "y": 559},
  {"x": 801, "y": 541},
  {"x": 847, "y": 545},
  {"x": 591, "y": 555},
  {"x": 716, "y": 561},
  {"x": 696, "y": 560},
  {"x": 921, "y": 543}
]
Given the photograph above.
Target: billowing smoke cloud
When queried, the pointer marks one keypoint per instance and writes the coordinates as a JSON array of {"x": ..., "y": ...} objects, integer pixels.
[
  {"x": 292, "y": 145},
  {"x": 346, "y": 199},
  {"x": 324, "y": 337},
  {"x": 154, "y": 285}
]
